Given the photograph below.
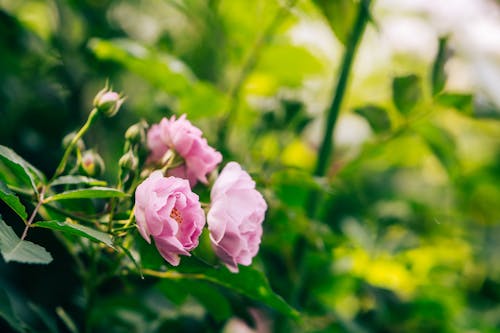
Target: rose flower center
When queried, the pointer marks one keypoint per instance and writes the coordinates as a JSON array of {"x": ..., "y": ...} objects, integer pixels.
[{"x": 176, "y": 215}]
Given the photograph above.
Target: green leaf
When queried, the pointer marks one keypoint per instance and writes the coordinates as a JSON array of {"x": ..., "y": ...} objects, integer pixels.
[
  {"x": 77, "y": 230},
  {"x": 485, "y": 108},
  {"x": 164, "y": 71},
  {"x": 27, "y": 173},
  {"x": 211, "y": 298},
  {"x": 74, "y": 180},
  {"x": 376, "y": 116},
  {"x": 442, "y": 144},
  {"x": 11, "y": 199},
  {"x": 460, "y": 102},
  {"x": 438, "y": 75},
  {"x": 248, "y": 282},
  {"x": 406, "y": 92},
  {"x": 15, "y": 249},
  {"x": 340, "y": 15},
  {"x": 87, "y": 193},
  {"x": 277, "y": 59},
  {"x": 45, "y": 317},
  {"x": 7, "y": 312}
]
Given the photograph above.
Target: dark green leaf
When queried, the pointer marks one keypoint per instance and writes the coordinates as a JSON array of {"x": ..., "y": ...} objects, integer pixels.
[
  {"x": 15, "y": 249},
  {"x": 458, "y": 101},
  {"x": 7, "y": 313},
  {"x": 376, "y": 116},
  {"x": 131, "y": 257},
  {"x": 73, "y": 180},
  {"x": 484, "y": 108},
  {"x": 211, "y": 298},
  {"x": 406, "y": 92},
  {"x": 77, "y": 230},
  {"x": 45, "y": 317},
  {"x": 11, "y": 199},
  {"x": 26, "y": 173},
  {"x": 248, "y": 281},
  {"x": 87, "y": 193},
  {"x": 340, "y": 15},
  {"x": 438, "y": 75}
]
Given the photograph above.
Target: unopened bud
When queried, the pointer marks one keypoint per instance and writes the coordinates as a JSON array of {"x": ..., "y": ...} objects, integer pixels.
[
  {"x": 128, "y": 161},
  {"x": 137, "y": 132},
  {"x": 108, "y": 102},
  {"x": 69, "y": 137},
  {"x": 91, "y": 163}
]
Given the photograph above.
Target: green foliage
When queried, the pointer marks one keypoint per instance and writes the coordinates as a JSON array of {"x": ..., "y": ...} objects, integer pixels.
[
  {"x": 406, "y": 92},
  {"x": 12, "y": 201},
  {"x": 340, "y": 15},
  {"x": 77, "y": 230},
  {"x": 15, "y": 249},
  {"x": 376, "y": 116},
  {"x": 87, "y": 193},
  {"x": 21, "y": 169},
  {"x": 438, "y": 75},
  {"x": 7, "y": 313}
]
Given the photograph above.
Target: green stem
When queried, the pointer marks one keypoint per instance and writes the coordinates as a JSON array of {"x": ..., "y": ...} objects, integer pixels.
[
  {"x": 90, "y": 120},
  {"x": 326, "y": 148},
  {"x": 248, "y": 65}
]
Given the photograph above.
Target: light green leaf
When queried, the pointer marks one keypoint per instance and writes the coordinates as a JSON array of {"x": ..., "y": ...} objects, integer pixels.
[
  {"x": 87, "y": 193},
  {"x": 11, "y": 199},
  {"x": 277, "y": 59},
  {"x": 27, "y": 173},
  {"x": 340, "y": 15},
  {"x": 7, "y": 313},
  {"x": 77, "y": 230},
  {"x": 15, "y": 249},
  {"x": 163, "y": 71},
  {"x": 463, "y": 103},
  {"x": 406, "y": 92},
  {"x": 74, "y": 180}
]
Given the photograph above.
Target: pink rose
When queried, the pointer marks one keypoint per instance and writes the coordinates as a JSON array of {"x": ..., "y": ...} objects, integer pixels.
[
  {"x": 235, "y": 217},
  {"x": 167, "y": 210},
  {"x": 186, "y": 140}
]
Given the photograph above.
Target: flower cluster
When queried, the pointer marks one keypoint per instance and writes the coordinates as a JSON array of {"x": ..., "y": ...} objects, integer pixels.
[{"x": 168, "y": 211}]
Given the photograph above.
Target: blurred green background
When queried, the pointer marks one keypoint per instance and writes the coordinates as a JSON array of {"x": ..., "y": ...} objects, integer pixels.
[{"x": 404, "y": 234}]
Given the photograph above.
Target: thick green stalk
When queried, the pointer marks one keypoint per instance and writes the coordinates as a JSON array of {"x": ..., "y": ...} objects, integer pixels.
[{"x": 326, "y": 148}]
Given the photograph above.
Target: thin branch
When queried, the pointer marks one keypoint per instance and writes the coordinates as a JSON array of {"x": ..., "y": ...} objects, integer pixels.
[
  {"x": 33, "y": 214},
  {"x": 247, "y": 67}
]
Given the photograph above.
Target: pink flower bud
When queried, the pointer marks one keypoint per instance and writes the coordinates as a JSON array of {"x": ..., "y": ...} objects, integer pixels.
[{"x": 108, "y": 102}]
